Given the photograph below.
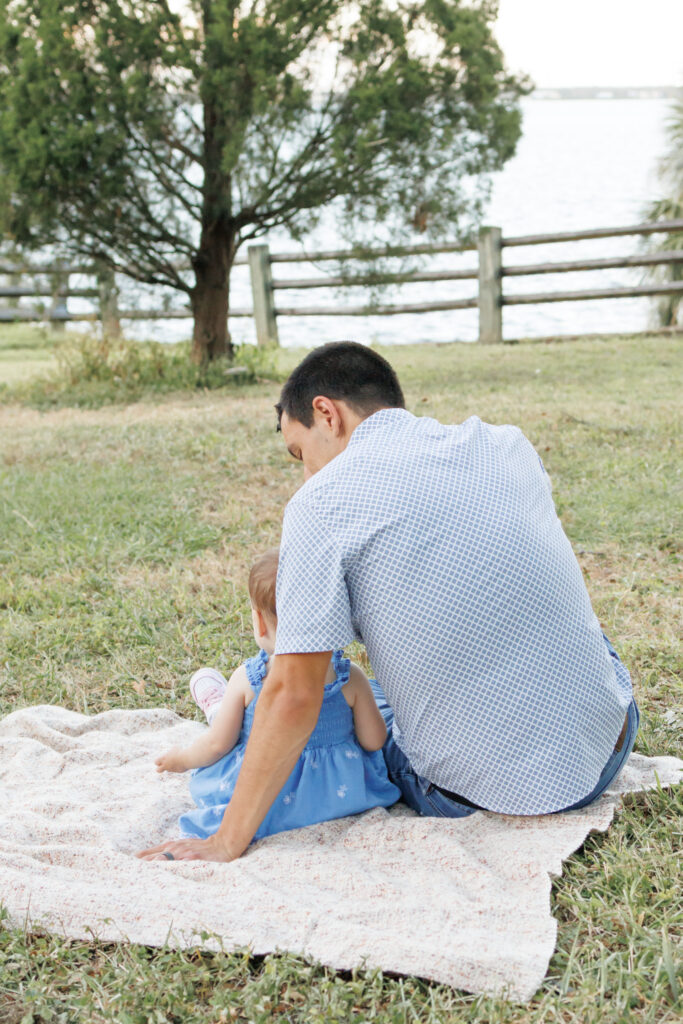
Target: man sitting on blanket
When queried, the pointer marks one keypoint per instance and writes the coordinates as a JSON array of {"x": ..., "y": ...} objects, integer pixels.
[{"x": 440, "y": 549}]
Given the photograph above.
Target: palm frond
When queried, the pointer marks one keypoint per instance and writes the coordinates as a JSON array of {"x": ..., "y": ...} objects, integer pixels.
[{"x": 668, "y": 308}]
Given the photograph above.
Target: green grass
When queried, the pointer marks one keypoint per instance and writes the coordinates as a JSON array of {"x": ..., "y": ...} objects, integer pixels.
[
  {"x": 125, "y": 536},
  {"x": 25, "y": 351}
]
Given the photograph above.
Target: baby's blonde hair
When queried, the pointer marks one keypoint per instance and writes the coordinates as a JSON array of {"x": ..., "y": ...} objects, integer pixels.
[{"x": 262, "y": 582}]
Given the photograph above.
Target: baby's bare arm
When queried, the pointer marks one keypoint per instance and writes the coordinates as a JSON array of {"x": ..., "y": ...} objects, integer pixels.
[
  {"x": 221, "y": 735},
  {"x": 368, "y": 724}
]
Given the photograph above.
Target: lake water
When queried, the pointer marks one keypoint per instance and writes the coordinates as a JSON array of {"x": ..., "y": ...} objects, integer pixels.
[{"x": 580, "y": 164}]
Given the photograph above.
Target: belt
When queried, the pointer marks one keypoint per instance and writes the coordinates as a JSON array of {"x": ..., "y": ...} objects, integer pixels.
[
  {"x": 477, "y": 807},
  {"x": 622, "y": 736},
  {"x": 457, "y": 798}
]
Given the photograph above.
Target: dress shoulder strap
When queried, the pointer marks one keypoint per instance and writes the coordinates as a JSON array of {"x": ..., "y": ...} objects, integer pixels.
[
  {"x": 342, "y": 667},
  {"x": 256, "y": 669}
]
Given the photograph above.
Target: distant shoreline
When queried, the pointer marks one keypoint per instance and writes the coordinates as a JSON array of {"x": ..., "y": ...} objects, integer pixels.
[{"x": 645, "y": 92}]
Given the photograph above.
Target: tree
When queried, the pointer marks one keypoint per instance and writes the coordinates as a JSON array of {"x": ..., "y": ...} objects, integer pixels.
[
  {"x": 143, "y": 134},
  {"x": 669, "y": 208}
]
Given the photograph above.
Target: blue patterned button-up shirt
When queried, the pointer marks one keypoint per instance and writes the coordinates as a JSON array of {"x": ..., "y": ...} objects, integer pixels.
[{"x": 439, "y": 547}]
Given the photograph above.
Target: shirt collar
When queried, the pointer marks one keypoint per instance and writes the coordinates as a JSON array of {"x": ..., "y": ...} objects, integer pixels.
[{"x": 384, "y": 419}]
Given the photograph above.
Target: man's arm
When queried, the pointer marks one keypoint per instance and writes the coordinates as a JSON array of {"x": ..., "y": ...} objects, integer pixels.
[{"x": 285, "y": 716}]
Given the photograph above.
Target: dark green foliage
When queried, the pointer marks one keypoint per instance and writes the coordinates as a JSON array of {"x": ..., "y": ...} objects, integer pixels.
[{"x": 139, "y": 138}]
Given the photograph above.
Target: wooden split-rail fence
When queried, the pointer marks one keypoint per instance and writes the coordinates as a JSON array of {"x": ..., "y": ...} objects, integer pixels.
[{"x": 490, "y": 274}]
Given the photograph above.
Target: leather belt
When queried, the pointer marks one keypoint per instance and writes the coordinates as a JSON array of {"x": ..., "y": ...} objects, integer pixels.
[
  {"x": 457, "y": 798},
  {"x": 622, "y": 736}
]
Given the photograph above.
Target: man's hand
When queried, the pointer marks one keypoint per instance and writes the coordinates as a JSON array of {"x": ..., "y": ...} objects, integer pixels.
[
  {"x": 284, "y": 718},
  {"x": 172, "y": 761},
  {"x": 190, "y": 849}
]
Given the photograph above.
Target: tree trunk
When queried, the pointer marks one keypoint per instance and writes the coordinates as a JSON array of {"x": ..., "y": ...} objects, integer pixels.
[
  {"x": 213, "y": 262},
  {"x": 211, "y": 293}
]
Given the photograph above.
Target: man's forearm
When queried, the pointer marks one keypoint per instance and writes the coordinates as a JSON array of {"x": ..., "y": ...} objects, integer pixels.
[{"x": 284, "y": 718}]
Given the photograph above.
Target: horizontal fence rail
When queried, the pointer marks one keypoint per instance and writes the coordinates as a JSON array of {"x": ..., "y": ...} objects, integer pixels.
[
  {"x": 36, "y": 316},
  {"x": 322, "y": 256},
  {"x": 644, "y": 260},
  {"x": 531, "y": 299},
  {"x": 416, "y": 307},
  {"x": 374, "y": 279},
  {"x": 490, "y": 273},
  {"x": 25, "y": 291},
  {"x": 650, "y": 228}
]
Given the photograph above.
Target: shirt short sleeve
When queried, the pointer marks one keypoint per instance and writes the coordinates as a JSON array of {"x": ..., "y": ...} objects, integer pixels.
[{"x": 313, "y": 607}]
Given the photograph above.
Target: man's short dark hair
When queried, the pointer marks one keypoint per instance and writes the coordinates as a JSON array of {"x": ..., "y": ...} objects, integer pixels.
[{"x": 344, "y": 370}]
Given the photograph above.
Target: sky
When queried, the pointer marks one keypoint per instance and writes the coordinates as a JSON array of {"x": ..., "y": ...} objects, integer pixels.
[
  {"x": 593, "y": 42},
  {"x": 588, "y": 42}
]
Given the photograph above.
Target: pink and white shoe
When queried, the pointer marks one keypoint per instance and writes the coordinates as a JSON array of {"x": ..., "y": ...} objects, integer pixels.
[{"x": 207, "y": 687}]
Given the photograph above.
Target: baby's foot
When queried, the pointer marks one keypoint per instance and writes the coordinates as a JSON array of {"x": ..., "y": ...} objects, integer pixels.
[{"x": 207, "y": 687}]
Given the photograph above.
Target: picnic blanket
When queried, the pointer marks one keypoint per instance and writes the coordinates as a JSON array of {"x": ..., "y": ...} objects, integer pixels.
[{"x": 466, "y": 902}]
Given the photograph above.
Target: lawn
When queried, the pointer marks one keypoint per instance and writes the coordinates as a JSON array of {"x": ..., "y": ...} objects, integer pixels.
[
  {"x": 25, "y": 350},
  {"x": 125, "y": 534}
]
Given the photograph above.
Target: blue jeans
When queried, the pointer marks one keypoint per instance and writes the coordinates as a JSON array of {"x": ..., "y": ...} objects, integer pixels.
[{"x": 423, "y": 796}]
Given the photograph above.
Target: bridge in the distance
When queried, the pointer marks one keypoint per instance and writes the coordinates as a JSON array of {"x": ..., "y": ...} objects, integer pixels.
[{"x": 630, "y": 92}]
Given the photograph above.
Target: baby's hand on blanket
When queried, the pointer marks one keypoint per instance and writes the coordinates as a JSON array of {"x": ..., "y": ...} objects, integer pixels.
[{"x": 172, "y": 761}]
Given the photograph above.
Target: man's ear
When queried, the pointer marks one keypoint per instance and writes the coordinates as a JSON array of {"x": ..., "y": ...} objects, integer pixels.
[{"x": 327, "y": 412}]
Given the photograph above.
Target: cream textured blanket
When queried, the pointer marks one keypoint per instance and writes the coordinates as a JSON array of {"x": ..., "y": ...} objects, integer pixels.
[{"x": 463, "y": 902}]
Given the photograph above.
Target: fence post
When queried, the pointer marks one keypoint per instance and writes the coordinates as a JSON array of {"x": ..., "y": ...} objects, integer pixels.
[
  {"x": 58, "y": 312},
  {"x": 262, "y": 294},
  {"x": 490, "y": 285},
  {"x": 108, "y": 302},
  {"x": 13, "y": 280}
]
